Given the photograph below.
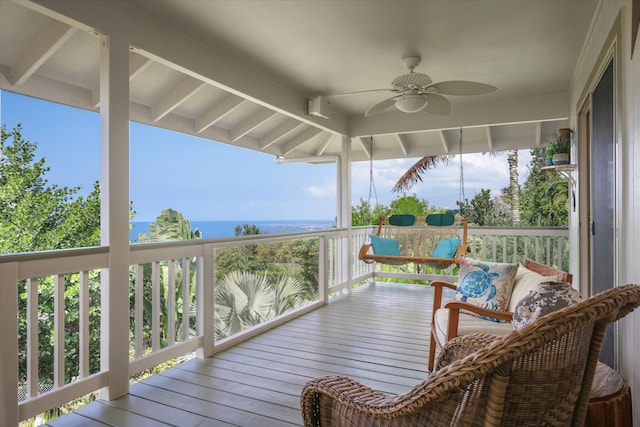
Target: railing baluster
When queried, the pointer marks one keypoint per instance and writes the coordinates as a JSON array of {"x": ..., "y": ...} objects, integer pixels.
[
  {"x": 84, "y": 324},
  {"x": 155, "y": 305},
  {"x": 32, "y": 337},
  {"x": 494, "y": 239},
  {"x": 58, "y": 330},
  {"x": 138, "y": 317},
  {"x": 504, "y": 248},
  {"x": 186, "y": 297},
  {"x": 171, "y": 302}
]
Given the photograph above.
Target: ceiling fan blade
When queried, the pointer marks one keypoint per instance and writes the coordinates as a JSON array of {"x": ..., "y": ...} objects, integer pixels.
[
  {"x": 437, "y": 104},
  {"x": 360, "y": 91},
  {"x": 462, "y": 87},
  {"x": 380, "y": 107}
]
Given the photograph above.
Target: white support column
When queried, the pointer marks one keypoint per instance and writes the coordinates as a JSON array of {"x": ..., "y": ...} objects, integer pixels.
[
  {"x": 344, "y": 209},
  {"x": 114, "y": 198},
  {"x": 9, "y": 347}
]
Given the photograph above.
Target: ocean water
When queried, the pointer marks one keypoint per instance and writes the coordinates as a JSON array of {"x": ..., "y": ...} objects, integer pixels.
[{"x": 211, "y": 229}]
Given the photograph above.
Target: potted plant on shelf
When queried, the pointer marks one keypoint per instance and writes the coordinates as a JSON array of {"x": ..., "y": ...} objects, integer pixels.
[
  {"x": 549, "y": 155},
  {"x": 561, "y": 146}
]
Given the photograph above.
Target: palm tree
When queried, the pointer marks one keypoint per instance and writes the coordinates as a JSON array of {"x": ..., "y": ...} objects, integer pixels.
[
  {"x": 514, "y": 189},
  {"x": 414, "y": 175},
  {"x": 244, "y": 299}
]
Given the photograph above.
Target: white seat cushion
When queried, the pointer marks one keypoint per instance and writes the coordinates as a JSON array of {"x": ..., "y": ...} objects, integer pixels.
[{"x": 468, "y": 324}]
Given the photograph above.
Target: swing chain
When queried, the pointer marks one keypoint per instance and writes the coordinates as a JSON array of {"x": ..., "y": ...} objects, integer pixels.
[
  {"x": 372, "y": 185},
  {"x": 462, "y": 197}
]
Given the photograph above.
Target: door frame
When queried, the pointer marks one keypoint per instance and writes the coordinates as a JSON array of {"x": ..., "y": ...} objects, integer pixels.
[{"x": 610, "y": 52}]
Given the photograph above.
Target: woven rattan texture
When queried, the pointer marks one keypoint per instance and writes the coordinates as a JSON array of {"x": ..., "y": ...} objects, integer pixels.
[{"x": 539, "y": 375}]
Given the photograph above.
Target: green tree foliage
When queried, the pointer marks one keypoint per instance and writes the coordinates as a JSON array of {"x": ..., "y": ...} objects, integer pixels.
[
  {"x": 36, "y": 216},
  {"x": 364, "y": 215},
  {"x": 485, "y": 211},
  {"x": 544, "y": 200},
  {"x": 405, "y": 204},
  {"x": 246, "y": 230},
  {"x": 170, "y": 225},
  {"x": 295, "y": 258},
  {"x": 410, "y": 205}
]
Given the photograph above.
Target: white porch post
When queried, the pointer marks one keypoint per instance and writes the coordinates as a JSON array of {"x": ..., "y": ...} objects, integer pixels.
[
  {"x": 114, "y": 213},
  {"x": 345, "y": 259},
  {"x": 9, "y": 347}
]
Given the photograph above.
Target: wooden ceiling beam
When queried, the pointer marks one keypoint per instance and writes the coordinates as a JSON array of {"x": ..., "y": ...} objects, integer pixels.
[
  {"x": 250, "y": 123},
  {"x": 175, "y": 97},
  {"x": 402, "y": 143},
  {"x": 49, "y": 41},
  {"x": 299, "y": 140},
  {"x": 538, "y": 134},
  {"x": 366, "y": 145},
  {"x": 323, "y": 143},
  {"x": 446, "y": 144},
  {"x": 218, "y": 112},
  {"x": 489, "y": 138},
  {"x": 278, "y": 133}
]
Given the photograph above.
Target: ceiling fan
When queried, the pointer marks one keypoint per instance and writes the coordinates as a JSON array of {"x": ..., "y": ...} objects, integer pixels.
[{"x": 415, "y": 92}]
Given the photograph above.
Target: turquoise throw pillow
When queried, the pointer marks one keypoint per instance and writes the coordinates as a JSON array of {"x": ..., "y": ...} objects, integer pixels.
[
  {"x": 446, "y": 248},
  {"x": 384, "y": 246}
]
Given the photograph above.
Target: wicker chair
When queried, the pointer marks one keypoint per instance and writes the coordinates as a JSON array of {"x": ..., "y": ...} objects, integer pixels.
[{"x": 539, "y": 375}]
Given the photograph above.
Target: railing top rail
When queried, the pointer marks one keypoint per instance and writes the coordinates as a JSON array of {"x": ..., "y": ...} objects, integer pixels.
[
  {"x": 239, "y": 240},
  {"x": 53, "y": 254},
  {"x": 519, "y": 231}
]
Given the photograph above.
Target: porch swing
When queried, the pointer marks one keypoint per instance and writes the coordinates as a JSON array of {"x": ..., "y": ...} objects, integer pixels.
[{"x": 437, "y": 240}]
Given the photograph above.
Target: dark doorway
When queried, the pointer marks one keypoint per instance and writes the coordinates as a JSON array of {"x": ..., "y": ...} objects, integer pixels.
[{"x": 602, "y": 197}]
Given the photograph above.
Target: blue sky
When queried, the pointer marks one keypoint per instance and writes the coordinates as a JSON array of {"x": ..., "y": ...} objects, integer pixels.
[{"x": 213, "y": 181}]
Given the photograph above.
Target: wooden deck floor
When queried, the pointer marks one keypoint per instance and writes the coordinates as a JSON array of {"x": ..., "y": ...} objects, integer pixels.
[{"x": 378, "y": 335}]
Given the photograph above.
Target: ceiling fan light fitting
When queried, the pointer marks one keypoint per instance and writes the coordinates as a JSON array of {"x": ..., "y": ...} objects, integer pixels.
[{"x": 411, "y": 103}]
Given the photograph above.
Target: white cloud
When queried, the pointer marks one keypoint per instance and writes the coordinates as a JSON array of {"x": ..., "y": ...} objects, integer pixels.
[
  {"x": 441, "y": 185},
  {"x": 326, "y": 191}
]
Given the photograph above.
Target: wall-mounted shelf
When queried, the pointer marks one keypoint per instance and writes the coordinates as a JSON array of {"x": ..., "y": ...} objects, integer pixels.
[{"x": 565, "y": 171}]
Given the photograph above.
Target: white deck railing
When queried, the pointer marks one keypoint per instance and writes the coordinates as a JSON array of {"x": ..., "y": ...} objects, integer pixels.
[{"x": 166, "y": 281}]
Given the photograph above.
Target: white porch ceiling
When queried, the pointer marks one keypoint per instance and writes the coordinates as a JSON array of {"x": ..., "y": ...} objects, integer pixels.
[{"x": 239, "y": 72}]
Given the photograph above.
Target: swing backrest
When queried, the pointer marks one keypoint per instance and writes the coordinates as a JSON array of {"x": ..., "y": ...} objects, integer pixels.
[{"x": 418, "y": 236}]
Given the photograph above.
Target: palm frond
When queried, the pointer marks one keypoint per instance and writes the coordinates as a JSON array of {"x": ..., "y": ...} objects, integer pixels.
[{"x": 414, "y": 174}]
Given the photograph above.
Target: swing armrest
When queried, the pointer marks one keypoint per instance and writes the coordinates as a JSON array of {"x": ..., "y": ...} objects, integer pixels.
[
  {"x": 462, "y": 251},
  {"x": 362, "y": 253}
]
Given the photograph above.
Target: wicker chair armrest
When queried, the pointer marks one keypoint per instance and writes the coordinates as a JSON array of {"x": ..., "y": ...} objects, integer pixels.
[
  {"x": 460, "y": 347},
  {"x": 338, "y": 389},
  {"x": 339, "y": 400},
  {"x": 459, "y": 305}
]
